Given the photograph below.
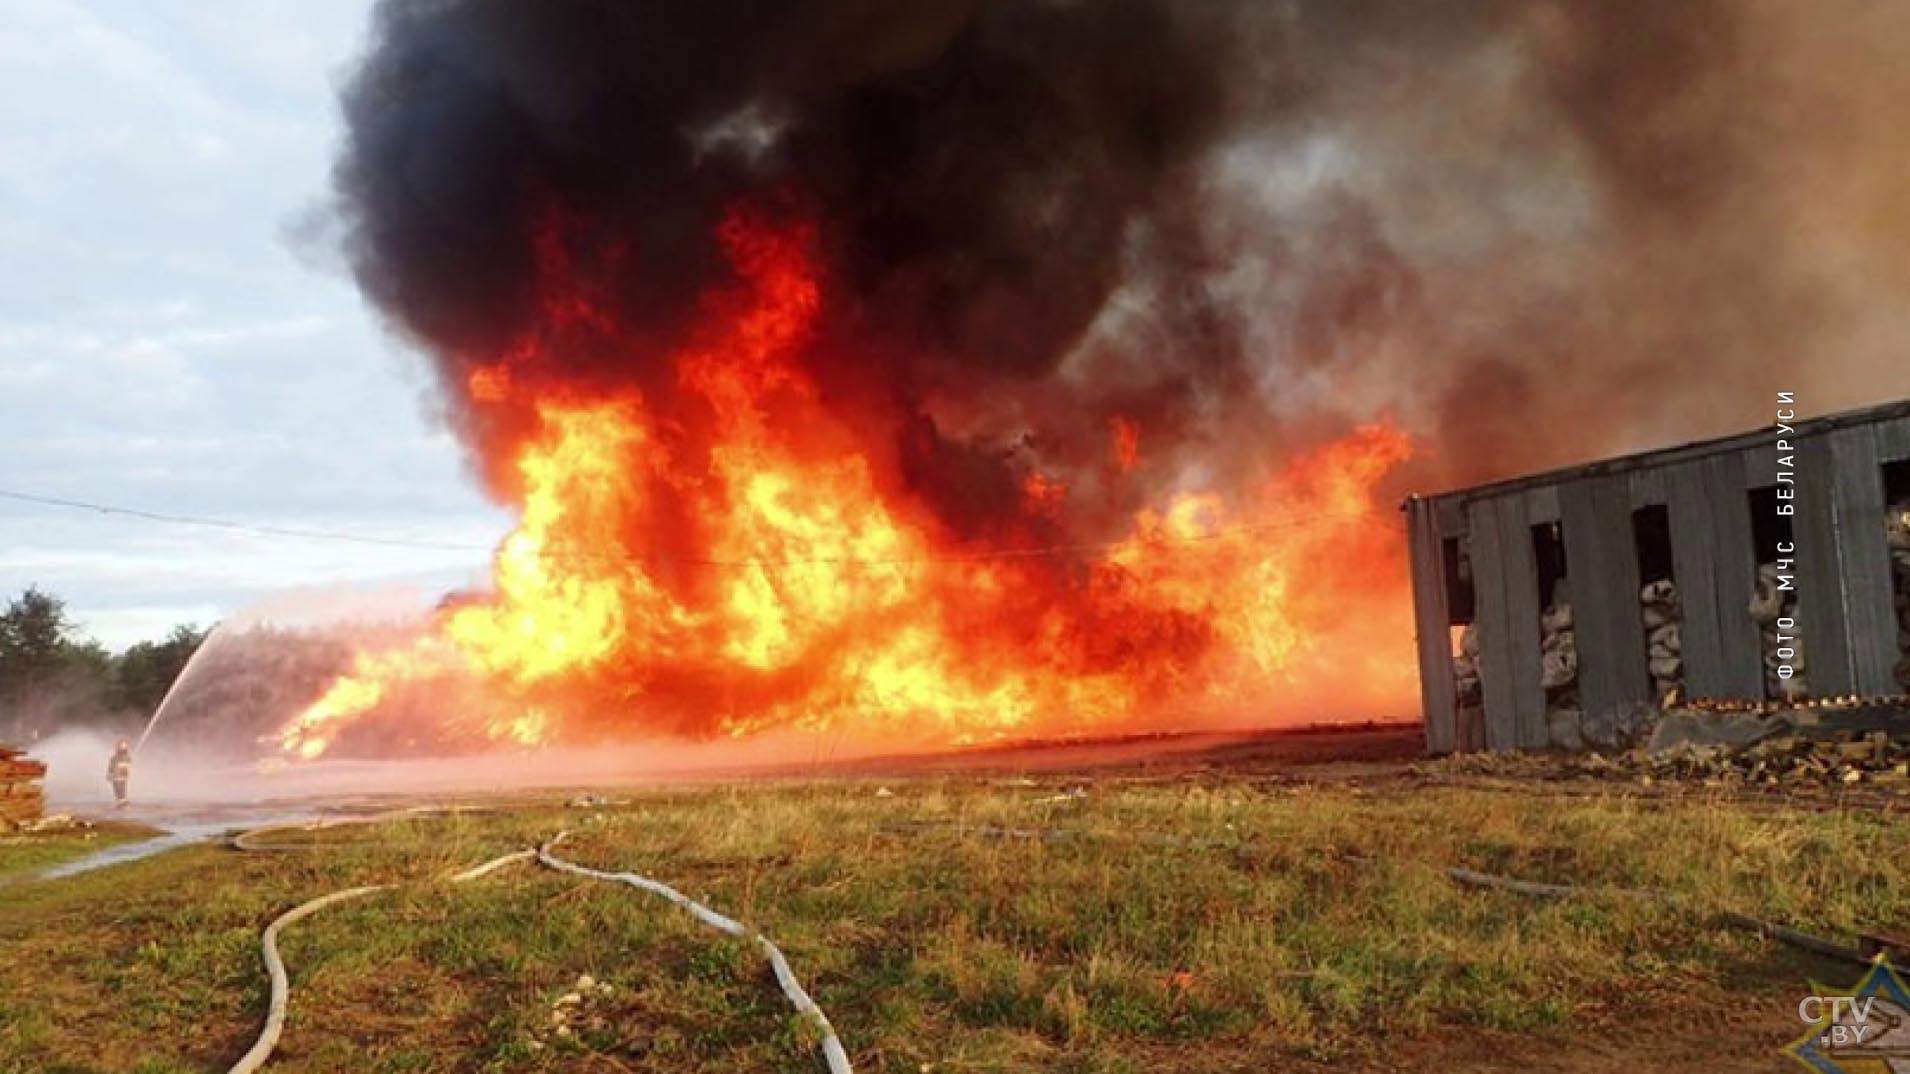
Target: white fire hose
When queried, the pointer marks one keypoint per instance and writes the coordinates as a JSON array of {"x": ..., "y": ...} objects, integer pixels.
[
  {"x": 832, "y": 1051},
  {"x": 262, "y": 1048},
  {"x": 275, "y": 969}
]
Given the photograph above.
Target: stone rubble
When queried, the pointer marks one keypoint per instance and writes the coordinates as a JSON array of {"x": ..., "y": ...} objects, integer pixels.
[{"x": 1751, "y": 745}]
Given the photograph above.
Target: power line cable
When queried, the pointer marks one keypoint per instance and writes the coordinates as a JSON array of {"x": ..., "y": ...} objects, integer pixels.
[
  {"x": 1306, "y": 519},
  {"x": 241, "y": 527}
]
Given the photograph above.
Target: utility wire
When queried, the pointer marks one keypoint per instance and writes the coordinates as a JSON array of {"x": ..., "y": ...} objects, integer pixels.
[
  {"x": 240, "y": 527},
  {"x": 567, "y": 555}
]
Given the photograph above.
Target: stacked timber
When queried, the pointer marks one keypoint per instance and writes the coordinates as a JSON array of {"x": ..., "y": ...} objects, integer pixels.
[
  {"x": 21, "y": 801},
  {"x": 1897, "y": 534}
]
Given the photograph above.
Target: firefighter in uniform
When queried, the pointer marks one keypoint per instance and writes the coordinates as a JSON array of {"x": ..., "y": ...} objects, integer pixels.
[{"x": 119, "y": 770}]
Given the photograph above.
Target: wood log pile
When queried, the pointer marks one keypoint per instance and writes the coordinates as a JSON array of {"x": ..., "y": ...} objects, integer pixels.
[
  {"x": 1897, "y": 534},
  {"x": 21, "y": 800}
]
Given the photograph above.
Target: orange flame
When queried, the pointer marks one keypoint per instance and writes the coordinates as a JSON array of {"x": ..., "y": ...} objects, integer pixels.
[
  {"x": 1126, "y": 442},
  {"x": 760, "y": 574}
]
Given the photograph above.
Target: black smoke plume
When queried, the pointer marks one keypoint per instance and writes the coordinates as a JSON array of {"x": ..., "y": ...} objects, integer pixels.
[{"x": 1529, "y": 231}]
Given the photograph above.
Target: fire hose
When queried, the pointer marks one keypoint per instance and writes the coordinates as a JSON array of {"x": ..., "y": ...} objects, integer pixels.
[
  {"x": 832, "y": 1050},
  {"x": 833, "y": 1053},
  {"x": 268, "y": 1039},
  {"x": 261, "y": 1049}
]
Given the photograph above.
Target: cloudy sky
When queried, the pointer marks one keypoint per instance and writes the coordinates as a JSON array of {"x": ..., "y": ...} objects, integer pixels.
[{"x": 165, "y": 346}]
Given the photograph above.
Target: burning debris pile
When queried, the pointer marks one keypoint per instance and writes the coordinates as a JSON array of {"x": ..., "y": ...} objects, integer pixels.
[{"x": 21, "y": 800}]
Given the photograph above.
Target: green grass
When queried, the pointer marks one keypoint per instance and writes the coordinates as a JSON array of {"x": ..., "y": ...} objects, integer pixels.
[
  {"x": 1177, "y": 928},
  {"x": 27, "y": 852}
]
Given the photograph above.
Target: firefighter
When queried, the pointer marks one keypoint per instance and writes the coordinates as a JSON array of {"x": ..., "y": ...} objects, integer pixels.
[{"x": 119, "y": 770}]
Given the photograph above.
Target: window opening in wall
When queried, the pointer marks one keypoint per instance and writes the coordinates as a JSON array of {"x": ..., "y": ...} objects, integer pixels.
[
  {"x": 1659, "y": 606},
  {"x": 1558, "y": 638}
]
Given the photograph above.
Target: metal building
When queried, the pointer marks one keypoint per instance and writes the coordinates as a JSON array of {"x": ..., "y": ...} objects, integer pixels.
[{"x": 1702, "y": 516}]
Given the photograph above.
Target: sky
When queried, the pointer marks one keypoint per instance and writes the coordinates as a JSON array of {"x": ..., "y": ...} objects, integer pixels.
[{"x": 168, "y": 344}]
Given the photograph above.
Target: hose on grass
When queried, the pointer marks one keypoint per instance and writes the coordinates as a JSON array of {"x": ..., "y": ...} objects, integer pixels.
[
  {"x": 832, "y": 1050},
  {"x": 281, "y": 988},
  {"x": 834, "y": 1055},
  {"x": 248, "y": 840},
  {"x": 261, "y": 1049}
]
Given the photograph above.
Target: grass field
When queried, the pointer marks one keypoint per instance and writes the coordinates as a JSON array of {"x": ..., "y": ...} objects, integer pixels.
[
  {"x": 1178, "y": 926},
  {"x": 27, "y": 853}
]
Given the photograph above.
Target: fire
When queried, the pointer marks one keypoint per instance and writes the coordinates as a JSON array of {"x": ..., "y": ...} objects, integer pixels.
[
  {"x": 727, "y": 553},
  {"x": 1126, "y": 442}
]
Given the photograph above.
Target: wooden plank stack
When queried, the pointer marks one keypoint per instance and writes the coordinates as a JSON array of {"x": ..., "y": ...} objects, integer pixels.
[{"x": 21, "y": 800}]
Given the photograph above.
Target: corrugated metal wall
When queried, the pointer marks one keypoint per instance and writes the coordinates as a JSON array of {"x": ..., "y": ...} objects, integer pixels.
[{"x": 1843, "y": 574}]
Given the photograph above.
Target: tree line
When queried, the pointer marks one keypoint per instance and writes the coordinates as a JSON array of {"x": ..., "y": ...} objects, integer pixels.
[{"x": 52, "y": 676}]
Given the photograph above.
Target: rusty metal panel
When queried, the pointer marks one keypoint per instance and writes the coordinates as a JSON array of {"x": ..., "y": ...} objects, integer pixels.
[
  {"x": 1864, "y": 580},
  {"x": 1821, "y": 611},
  {"x": 1434, "y": 638},
  {"x": 1602, "y": 559}
]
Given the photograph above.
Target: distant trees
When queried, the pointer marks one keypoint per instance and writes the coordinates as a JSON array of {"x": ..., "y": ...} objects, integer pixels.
[
  {"x": 144, "y": 672},
  {"x": 52, "y": 676},
  {"x": 34, "y": 647},
  {"x": 247, "y": 684}
]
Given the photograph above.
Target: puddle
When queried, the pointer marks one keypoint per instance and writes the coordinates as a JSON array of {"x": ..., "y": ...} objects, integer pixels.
[
  {"x": 180, "y": 827},
  {"x": 121, "y": 853}
]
